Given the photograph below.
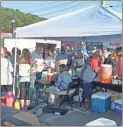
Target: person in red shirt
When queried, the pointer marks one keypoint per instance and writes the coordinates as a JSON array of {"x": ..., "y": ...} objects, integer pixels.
[{"x": 94, "y": 60}]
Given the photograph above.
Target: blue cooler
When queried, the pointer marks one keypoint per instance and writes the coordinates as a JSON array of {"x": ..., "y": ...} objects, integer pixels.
[
  {"x": 118, "y": 106},
  {"x": 100, "y": 102}
]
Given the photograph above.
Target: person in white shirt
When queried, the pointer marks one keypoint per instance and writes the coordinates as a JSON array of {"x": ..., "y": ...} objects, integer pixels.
[
  {"x": 24, "y": 73},
  {"x": 48, "y": 59},
  {"x": 6, "y": 73},
  {"x": 37, "y": 56}
]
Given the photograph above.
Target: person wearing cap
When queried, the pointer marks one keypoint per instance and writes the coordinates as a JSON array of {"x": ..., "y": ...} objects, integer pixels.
[
  {"x": 83, "y": 50},
  {"x": 94, "y": 50}
]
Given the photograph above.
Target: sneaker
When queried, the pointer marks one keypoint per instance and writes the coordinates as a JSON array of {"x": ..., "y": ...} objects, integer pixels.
[
  {"x": 86, "y": 109},
  {"x": 24, "y": 109}
]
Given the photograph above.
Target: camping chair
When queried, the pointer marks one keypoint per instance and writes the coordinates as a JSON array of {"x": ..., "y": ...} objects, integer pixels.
[{"x": 72, "y": 88}]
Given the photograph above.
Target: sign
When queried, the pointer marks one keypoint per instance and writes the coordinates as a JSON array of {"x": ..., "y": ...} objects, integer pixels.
[
  {"x": 117, "y": 44},
  {"x": 112, "y": 44}
]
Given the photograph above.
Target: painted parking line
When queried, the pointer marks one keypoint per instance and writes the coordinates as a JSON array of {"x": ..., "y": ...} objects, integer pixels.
[{"x": 79, "y": 110}]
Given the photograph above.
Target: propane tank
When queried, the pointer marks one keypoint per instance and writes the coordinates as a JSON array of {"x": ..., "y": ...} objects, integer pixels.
[{"x": 9, "y": 99}]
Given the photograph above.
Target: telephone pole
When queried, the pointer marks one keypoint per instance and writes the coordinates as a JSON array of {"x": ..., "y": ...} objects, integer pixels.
[{"x": 103, "y": 2}]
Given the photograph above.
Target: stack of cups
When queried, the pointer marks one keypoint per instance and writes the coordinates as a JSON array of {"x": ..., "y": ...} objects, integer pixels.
[{"x": 49, "y": 77}]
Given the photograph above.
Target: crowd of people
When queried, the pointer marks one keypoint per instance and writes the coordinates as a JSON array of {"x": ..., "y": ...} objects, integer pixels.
[{"x": 30, "y": 66}]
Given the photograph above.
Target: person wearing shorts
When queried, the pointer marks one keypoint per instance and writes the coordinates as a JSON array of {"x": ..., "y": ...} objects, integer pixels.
[
  {"x": 88, "y": 74},
  {"x": 24, "y": 73}
]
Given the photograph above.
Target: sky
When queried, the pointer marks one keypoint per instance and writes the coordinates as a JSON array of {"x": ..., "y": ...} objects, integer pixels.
[{"x": 49, "y": 9}]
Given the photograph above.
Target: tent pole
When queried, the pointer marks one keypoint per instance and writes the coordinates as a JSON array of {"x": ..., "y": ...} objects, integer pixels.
[
  {"x": 83, "y": 52},
  {"x": 15, "y": 64}
]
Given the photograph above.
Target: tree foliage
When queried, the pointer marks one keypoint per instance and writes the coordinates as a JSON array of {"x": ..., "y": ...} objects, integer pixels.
[{"x": 21, "y": 18}]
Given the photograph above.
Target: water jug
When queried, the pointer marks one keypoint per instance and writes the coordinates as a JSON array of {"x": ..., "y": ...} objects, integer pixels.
[
  {"x": 9, "y": 99},
  {"x": 105, "y": 73},
  {"x": 17, "y": 105}
]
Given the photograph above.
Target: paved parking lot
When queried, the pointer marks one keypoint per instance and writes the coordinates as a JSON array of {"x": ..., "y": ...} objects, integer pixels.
[{"x": 77, "y": 117}]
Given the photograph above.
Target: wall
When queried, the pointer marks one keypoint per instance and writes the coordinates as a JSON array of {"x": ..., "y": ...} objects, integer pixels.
[{"x": 27, "y": 43}]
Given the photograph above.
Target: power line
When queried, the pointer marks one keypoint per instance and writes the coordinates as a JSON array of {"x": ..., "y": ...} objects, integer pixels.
[
  {"x": 115, "y": 6},
  {"x": 64, "y": 9},
  {"x": 51, "y": 7},
  {"x": 27, "y": 8}
]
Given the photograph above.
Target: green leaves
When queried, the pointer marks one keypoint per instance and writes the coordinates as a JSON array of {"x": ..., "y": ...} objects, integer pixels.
[{"x": 22, "y": 19}]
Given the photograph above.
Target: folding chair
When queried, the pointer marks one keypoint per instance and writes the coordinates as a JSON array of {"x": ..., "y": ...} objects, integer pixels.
[{"x": 72, "y": 88}]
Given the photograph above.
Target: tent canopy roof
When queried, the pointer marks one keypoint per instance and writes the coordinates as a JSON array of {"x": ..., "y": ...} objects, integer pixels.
[{"x": 88, "y": 22}]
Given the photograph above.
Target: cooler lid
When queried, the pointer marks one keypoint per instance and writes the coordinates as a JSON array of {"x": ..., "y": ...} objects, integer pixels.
[
  {"x": 119, "y": 101},
  {"x": 101, "y": 95},
  {"x": 105, "y": 65}
]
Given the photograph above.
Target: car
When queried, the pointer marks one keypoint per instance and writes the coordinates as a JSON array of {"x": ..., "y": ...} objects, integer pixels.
[{"x": 14, "y": 117}]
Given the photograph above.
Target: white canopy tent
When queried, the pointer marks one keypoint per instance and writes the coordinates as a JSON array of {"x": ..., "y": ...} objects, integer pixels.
[{"x": 95, "y": 23}]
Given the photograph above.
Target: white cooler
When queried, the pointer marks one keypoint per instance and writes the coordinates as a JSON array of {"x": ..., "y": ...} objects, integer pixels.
[{"x": 102, "y": 122}]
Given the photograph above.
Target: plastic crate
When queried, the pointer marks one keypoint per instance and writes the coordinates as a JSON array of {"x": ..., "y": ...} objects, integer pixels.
[{"x": 118, "y": 106}]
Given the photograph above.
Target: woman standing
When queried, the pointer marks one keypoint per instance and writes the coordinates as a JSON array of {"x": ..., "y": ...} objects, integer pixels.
[
  {"x": 6, "y": 73},
  {"x": 24, "y": 73},
  {"x": 119, "y": 62},
  {"x": 101, "y": 57}
]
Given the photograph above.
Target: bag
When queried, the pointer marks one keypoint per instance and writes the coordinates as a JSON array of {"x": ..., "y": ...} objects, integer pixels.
[
  {"x": 38, "y": 75},
  {"x": 54, "y": 110}
]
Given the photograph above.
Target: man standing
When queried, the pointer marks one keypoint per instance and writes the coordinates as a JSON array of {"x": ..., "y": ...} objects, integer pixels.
[
  {"x": 83, "y": 50},
  {"x": 38, "y": 58},
  {"x": 78, "y": 61},
  {"x": 37, "y": 66},
  {"x": 61, "y": 59}
]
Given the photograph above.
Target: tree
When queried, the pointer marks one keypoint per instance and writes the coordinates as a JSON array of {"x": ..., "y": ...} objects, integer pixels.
[{"x": 21, "y": 18}]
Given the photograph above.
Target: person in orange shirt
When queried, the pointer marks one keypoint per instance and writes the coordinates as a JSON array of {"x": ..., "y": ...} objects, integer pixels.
[{"x": 119, "y": 62}]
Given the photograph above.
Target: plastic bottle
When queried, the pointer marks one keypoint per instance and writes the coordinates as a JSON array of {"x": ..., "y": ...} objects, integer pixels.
[{"x": 17, "y": 105}]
